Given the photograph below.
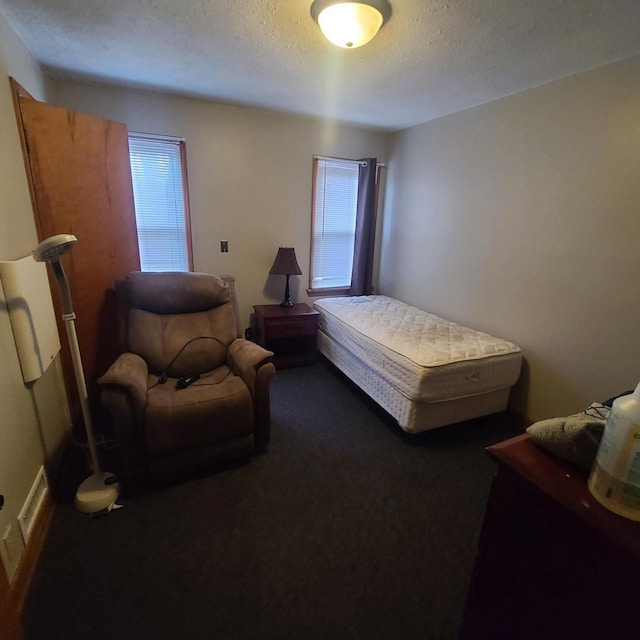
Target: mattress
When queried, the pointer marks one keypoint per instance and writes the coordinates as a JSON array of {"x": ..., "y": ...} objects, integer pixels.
[{"x": 424, "y": 357}]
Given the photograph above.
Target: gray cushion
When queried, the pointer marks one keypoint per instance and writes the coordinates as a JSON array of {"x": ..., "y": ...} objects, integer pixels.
[
  {"x": 179, "y": 292},
  {"x": 201, "y": 339},
  {"x": 176, "y": 316},
  {"x": 202, "y": 414}
]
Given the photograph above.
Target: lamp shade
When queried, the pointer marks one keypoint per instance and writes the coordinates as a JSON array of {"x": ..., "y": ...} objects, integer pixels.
[
  {"x": 53, "y": 248},
  {"x": 350, "y": 24},
  {"x": 285, "y": 263}
]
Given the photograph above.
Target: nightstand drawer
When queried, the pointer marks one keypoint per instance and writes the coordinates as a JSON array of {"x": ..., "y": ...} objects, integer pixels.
[{"x": 291, "y": 327}]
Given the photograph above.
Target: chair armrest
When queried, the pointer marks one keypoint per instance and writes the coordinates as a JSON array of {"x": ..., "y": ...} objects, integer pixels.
[
  {"x": 124, "y": 396},
  {"x": 130, "y": 373},
  {"x": 245, "y": 358},
  {"x": 253, "y": 364}
]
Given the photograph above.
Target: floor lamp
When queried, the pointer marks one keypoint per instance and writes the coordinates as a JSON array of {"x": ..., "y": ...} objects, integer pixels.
[{"x": 99, "y": 491}]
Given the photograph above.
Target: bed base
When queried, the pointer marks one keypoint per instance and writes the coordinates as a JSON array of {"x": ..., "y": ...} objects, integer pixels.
[{"x": 412, "y": 416}]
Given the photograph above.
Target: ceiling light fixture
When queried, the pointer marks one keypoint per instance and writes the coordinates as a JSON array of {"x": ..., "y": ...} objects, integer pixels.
[{"x": 350, "y": 24}]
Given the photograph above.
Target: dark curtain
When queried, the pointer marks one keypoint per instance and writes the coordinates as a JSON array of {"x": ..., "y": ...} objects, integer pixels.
[{"x": 362, "y": 272}]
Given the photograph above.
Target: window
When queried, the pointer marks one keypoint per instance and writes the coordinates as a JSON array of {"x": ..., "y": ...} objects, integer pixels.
[
  {"x": 335, "y": 198},
  {"x": 333, "y": 225},
  {"x": 158, "y": 170}
]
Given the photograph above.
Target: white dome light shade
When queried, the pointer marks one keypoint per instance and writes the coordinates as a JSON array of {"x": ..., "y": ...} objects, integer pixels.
[{"x": 350, "y": 24}]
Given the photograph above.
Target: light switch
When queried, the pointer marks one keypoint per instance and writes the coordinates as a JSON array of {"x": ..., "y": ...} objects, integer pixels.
[{"x": 224, "y": 246}]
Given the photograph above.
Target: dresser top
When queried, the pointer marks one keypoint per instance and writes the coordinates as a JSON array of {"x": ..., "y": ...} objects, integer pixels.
[{"x": 567, "y": 485}]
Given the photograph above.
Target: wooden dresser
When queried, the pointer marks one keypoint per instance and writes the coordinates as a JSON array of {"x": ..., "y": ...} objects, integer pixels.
[{"x": 552, "y": 563}]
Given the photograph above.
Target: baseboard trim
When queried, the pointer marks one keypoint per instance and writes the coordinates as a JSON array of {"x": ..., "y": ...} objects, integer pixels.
[{"x": 27, "y": 565}]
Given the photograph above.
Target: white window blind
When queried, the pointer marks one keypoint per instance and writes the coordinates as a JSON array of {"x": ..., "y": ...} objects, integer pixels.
[
  {"x": 334, "y": 223},
  {"x": 158, "y": 189}
]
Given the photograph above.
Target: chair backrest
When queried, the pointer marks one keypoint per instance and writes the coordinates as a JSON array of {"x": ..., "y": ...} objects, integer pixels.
[{"x": 179, "y": 323}]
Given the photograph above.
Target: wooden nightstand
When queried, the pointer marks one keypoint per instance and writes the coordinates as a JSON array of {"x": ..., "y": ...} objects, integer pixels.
[{"x": 290, "y": 332}]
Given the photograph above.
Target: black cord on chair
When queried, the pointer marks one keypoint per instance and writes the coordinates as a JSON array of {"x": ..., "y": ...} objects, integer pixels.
[{"x": 162, "y": 378}]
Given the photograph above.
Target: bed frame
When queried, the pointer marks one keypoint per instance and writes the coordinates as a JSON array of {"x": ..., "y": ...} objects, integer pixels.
[{"x": 412, "y": 415}]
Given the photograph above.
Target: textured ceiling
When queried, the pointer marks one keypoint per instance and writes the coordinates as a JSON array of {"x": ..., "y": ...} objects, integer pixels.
[{"x": 432, "y": 58}]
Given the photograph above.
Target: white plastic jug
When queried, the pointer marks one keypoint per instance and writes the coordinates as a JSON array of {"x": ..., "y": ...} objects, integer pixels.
[{"x": 615, "y": 476}]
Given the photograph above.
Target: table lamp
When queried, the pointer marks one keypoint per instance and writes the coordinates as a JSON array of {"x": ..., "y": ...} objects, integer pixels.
[{"x": 286, "y": 264}]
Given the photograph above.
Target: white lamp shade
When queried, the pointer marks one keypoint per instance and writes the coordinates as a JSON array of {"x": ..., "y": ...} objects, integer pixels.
[{"x": 350, "y": 24}]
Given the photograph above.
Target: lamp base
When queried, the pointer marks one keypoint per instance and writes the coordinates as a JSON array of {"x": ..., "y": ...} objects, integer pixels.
[
  {"x": 94, "y": 494},
  {"x": 286, "y": 303}
]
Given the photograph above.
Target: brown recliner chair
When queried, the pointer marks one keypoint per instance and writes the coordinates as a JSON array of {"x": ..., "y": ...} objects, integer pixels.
[{"x": 177, "y": 325}]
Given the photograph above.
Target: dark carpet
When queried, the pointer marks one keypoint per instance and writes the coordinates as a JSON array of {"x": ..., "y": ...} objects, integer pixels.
[{"x": 346, "y": 528}]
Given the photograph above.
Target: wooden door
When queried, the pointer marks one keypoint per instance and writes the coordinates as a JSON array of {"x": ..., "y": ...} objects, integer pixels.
[
  {"x": 9, "y": 623},
  {"x": 80, "y": 179}
]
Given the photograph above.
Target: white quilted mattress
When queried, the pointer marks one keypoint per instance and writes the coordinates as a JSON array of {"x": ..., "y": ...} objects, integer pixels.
[{"x": 425, "y": 357}]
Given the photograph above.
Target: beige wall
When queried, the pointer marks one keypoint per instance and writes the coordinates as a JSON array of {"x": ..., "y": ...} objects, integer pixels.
[
  {"x": 522, "y": 218},
  {"x": 33, "y": 419},
  {"x": 249, "y": 176}
]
